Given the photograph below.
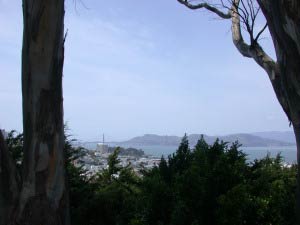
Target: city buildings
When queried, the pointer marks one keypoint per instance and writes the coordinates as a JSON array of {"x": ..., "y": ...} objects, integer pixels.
[{"x": 95, "y": 161}]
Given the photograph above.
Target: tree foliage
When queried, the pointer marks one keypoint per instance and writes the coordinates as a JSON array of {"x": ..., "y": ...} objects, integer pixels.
[{"x": 209, "y": 184}]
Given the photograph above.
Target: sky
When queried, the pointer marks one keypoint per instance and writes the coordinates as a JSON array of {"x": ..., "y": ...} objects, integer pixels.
[{"x": 135, "y": 67}]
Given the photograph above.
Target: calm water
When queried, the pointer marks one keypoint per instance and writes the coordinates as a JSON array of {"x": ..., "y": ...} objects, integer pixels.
[{"x": 288, "y": 153}]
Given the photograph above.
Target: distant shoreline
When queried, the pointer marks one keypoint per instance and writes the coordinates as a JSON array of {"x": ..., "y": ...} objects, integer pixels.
[{"x": 289, "y": 153}]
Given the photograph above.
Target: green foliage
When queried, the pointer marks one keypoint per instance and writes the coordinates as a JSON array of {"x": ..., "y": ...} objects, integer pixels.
[
  {"x": 180, "y": 160},
  {"x": 113, "y": 165},
  {"x": 215, "y": 185},
  {"x": 14, "y": 143},
  {"x": 81, "y": 191},
  {"x": 207, "y": 185},
  {"x": 267, "y": 195}
]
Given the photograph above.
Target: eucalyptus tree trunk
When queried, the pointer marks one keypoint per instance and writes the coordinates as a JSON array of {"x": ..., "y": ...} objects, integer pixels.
[
  {"x": 43, "y": 196},
  {"x": 283, "y": 18}
]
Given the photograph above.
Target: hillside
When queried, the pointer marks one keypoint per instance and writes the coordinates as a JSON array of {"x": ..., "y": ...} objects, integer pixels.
[
  {"x": 285, "y": 136},
  {"x": 247, "y": 140}
]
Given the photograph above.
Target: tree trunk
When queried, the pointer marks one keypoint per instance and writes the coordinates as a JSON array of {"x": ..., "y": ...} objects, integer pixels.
[
  {"x": 297, "y": 135},
  {"x": 43, "y": 196},
  {"x": 283, "y": 18}
]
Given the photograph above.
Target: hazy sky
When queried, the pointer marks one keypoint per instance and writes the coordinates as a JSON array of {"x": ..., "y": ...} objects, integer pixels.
[{"x": 137, "y": 66}]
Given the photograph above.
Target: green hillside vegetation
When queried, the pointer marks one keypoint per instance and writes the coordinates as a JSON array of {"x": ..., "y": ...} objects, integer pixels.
[
  {"x": 127, "y": 151},
  {"x": 207, "y": 185}
]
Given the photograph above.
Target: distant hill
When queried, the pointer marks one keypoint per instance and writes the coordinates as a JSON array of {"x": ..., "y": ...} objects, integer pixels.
[
  {"x": 285, "y": 136},
  {"x": 153, "y": 139},
  {"x": 247, "y": 140},
  {"x": 128, "y": 151}
]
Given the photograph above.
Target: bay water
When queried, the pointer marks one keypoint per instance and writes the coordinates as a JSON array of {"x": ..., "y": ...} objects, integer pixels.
[{"x": 289, "y": 153}]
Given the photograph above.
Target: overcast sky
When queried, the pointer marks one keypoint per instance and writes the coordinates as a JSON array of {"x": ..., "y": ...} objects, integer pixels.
[{"x": 136, "y": 66}]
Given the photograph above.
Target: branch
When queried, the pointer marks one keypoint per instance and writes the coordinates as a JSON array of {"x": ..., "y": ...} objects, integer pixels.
[
  {"x": 254, "y": 50},
  {"x": 245, "y": 12},
  {"x": 239, "y": 12},
  {"x": 206, "y": 6},
  {"x": 236, "y": 31},
  {"x": 260, "y": 32}
]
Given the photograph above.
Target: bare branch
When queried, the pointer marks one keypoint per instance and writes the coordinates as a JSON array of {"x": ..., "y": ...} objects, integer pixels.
[
  {"x": 236, "y": 31},
  {"x": 260, "y": 32},
  {"x": 206, "y": 6},
  {"x": 251, "y": 10},
  {"x": 241, "y": 12},
  {"x": 244, "y": 9},
  {"x": 254, "y": 50}
]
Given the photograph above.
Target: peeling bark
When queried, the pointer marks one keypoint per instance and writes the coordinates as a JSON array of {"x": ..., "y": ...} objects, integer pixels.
[{"x": 43, "y": 196}]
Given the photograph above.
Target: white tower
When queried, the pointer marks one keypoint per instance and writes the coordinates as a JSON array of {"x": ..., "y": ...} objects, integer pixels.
[{"x": 102, "y": 147}]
